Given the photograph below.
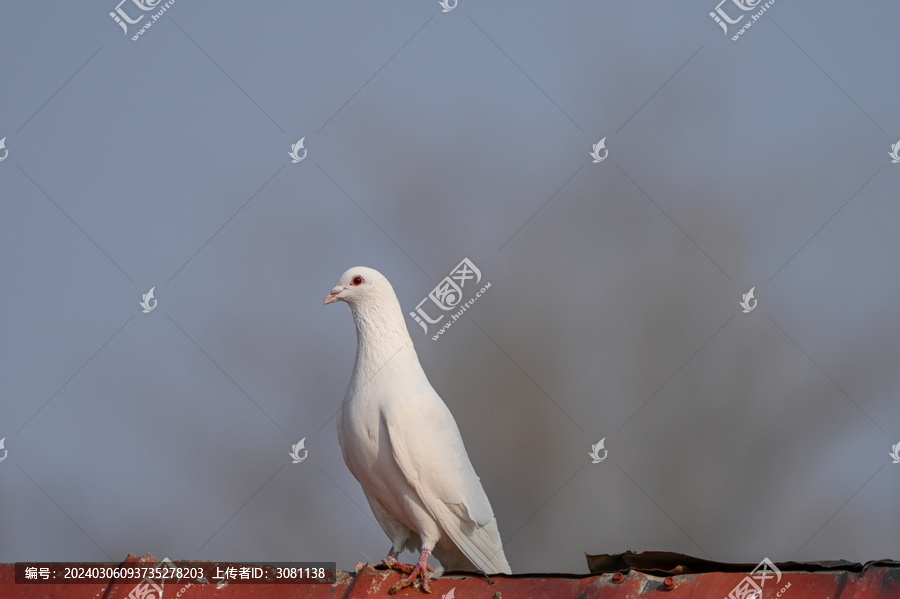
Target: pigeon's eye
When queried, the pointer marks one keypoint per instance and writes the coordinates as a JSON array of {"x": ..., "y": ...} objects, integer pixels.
[{"x": 357, "y": 280}]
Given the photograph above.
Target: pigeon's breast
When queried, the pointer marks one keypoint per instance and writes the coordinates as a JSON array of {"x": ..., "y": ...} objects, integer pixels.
[
  {"x": 361, "y": 435},
  {"x": 368, "y": 453}
]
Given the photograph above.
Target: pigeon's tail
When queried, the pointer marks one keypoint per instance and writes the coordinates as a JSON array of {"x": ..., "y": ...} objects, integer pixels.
[{"x": 473, "y": 545}]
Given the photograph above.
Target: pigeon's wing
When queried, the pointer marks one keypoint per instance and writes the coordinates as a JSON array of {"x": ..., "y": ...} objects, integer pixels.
[{"x": 429, "y": 451}]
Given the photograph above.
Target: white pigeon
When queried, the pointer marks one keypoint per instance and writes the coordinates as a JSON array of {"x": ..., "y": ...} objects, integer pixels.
[{"x": 401, "y": 443}]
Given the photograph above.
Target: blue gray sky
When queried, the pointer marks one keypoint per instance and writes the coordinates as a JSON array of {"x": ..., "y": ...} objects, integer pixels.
[{"x": 614, "y": 308}]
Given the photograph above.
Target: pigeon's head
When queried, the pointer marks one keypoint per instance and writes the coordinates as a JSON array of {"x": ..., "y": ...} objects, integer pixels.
[{"x": 359, "y": 286}]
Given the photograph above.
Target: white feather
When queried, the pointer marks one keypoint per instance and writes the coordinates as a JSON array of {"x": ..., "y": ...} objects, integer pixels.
[{"x": 402, "y": 444}]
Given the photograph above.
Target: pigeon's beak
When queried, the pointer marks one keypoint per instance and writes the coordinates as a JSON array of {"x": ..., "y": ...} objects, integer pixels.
[{"x": 333, "y": 296}]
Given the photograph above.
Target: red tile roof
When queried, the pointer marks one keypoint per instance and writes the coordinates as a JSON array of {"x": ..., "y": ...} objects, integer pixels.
[{"x": 622, "y": 576}]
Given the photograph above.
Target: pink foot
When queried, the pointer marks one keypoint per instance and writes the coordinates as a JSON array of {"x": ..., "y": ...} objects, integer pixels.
[
  {"x": 392, "y": 563},
  {"x": 421, "y": 569}
]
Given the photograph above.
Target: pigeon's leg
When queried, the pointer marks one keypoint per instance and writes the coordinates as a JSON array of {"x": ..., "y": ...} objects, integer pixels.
[
  {"x": 422, "y": 569},
  {"x": 393, "y": 563}
]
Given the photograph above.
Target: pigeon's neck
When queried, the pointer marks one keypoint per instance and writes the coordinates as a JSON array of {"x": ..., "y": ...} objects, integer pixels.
[{"x": 383, "y": 343}]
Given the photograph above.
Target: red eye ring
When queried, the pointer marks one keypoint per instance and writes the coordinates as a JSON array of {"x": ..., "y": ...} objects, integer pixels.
[{"x": 357, "y": 280}]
